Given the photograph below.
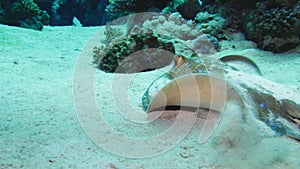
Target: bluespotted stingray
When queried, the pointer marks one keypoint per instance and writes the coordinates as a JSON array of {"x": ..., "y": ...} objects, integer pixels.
[
  {"x": 197, "y": 79},
  {"x": 209, "y": 83}
]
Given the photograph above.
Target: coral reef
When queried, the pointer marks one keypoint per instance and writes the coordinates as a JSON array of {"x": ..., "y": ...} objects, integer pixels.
[
  {"x": 212, "y": 24},
  {"x": 174, "y": 26},
  {"x": 112, "y": 57},
  {"x": 272, "y": 25},
  {"x": 36, "y": 13},
  {"x": 172, "y": 5},
  {"x": 275, "y": 29},
  {"x": 119, "y": 8},
  {"x": 166, "y": 32},
  {"x": 233, "y": 10},
  {"x": 111, "y": 33},
  {"x": 23, "y": 13}
]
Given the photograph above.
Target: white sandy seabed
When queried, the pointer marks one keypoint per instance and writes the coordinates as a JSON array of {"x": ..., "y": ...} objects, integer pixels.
[{"x": 39, "y": 127}]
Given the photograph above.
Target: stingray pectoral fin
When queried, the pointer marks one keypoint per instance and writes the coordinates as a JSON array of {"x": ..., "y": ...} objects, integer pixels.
[{"x": 193, "y": 90}]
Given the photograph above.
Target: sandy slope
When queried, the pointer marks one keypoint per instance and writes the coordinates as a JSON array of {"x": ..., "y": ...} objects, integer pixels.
[{"x": 39, "y": 126}]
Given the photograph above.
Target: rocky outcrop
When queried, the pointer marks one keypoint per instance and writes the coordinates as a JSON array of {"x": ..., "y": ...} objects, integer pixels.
[{"x": 23, "y": 13}]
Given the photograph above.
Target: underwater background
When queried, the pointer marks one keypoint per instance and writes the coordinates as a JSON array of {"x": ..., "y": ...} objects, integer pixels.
[{"x": 83, "y": 81}]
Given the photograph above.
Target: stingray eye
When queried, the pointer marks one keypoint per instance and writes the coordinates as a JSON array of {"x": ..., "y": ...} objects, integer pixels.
[{"x": 179, "y": 60}]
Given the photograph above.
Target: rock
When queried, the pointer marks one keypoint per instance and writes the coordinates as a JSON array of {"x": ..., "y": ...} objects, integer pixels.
[
  {"x": 205, "y": 44},
  {"x": 189, "y": 9},
  {"x": 76, "y": 22}
]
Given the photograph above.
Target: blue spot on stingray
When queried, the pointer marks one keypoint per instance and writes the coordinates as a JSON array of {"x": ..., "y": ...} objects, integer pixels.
[
  {"x": 187, "y": 63},
  {"x": 197, "y": 60},
  {"x": 270, "y": 121},
  {"x": 200, "y": 71},
  {"x": 261, "y": 105}
]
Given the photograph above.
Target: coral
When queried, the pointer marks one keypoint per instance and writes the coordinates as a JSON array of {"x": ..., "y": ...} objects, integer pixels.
[
  {"x": 23, "y": 13},
  {"x": 233, "y": 10},
  {"x": 201, "y": 40},
  {"x": 111, "y": 33},
  {"x": 24, "y": 9},
  {"x": 174, "y": 26},
  {"x": 32, "y": 23},
  {"x": 119, "y": 8},
  {"x": 111, "y": 58},
  {"x": 165, "y": 32},
  {"x": 172, "y": 5},
  {"x": 212, "y": 24},
  {"x": 275, "y": 29},
  {"x": 273, "y": 25}
]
